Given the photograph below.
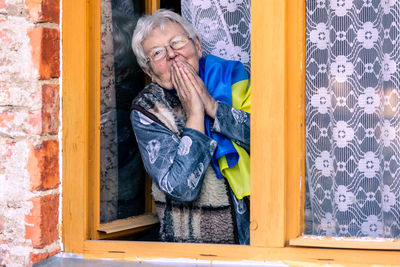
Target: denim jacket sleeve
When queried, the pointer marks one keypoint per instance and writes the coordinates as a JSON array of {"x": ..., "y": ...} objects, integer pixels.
[
  {"x": 234, "y": 124},
  {"x": 177, "y": 164}
]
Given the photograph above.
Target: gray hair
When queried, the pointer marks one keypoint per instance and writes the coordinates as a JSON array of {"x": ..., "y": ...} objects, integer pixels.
[{"x": 148, "y": 23}]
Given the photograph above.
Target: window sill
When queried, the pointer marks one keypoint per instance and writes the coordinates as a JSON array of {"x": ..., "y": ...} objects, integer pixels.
[{"x": 346, "y": 242}]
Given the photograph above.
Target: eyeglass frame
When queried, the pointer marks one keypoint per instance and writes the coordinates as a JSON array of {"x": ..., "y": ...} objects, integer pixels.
[{"x": 169, "y": 45}]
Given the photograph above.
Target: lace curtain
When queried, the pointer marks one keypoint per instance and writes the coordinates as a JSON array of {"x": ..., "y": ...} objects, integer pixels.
[
  {"x": 353, "y": 117},
  {"x": 223, "y": 27}
]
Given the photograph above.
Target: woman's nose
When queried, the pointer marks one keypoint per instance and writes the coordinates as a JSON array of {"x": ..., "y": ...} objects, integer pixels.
[{"x": 171, "y": 53}]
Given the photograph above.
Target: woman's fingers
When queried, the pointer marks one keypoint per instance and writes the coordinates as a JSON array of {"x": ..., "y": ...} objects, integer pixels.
[
  {"x": 188, "y": 70},
  {"x": 184, "y": 63},
  {"x": 182, "y": 90},
  {"x": 195, "y": 105},
  {"x": 187, "y": 79},
  {"x": 192, "y": 104},
  {"x": 177, "y": 85},
  {"x": 173, "y": 77},
  {"x": 191, "y": 71},
  {"x": 208, "y": 101},
  {"x": 192, "y": 79},
  {"x": 178, "y": 78},
  {"x": 183, "y": 79}
]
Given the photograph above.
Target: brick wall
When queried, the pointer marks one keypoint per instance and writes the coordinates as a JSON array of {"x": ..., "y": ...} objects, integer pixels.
[{"x": 29, "y": 128}]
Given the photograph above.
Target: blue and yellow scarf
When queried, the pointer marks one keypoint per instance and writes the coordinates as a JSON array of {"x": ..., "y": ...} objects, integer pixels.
[{"x": 228, "y": 82}]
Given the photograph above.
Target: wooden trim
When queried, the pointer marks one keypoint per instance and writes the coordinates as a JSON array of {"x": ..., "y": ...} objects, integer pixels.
[
  {"x": 151, "y": 6},
  {"x": 128, "y": 223},
  {"x": 343, "y": 242},
  {"x": 138, "y": 251},
  {"x": 268, "y": 124},
  {"x": 272, "y": 179},
  {"x": 129, "y": 234},
  {"x": 75, "y": 122},
  {"x": 93, "y": 178},
  {"x": 295, "y": 110},
  {"x": 123, "y": 229}
]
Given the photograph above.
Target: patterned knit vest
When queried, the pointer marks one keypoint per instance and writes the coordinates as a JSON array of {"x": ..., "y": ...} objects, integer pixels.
[{"x": 208, "y": 219}]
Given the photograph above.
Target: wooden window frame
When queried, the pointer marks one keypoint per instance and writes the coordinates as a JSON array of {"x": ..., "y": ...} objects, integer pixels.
[{"x": 277, "y": 145}]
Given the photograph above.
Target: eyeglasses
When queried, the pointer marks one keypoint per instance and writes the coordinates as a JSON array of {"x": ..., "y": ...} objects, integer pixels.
[{"x": 176, "y": 43}]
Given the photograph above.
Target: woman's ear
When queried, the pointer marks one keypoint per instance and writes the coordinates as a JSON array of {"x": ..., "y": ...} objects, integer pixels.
[
  {"x": 148, "y": 72},
  {"x": 197, "y": 44}
]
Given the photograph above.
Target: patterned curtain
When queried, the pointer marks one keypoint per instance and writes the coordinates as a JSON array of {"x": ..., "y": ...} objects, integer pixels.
[
  {"x": 108, "y": 121},
  {"x": 223, "y": 27},
  {"x": 353, "y": 117}
]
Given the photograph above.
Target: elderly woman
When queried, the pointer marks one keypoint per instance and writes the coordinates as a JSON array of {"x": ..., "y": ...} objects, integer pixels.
[{"x": 193, "y": 133}]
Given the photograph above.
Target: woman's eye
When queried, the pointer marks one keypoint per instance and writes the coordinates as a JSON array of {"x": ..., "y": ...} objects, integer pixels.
[
  {"x": 177, "y": 43},
  {"x": 157, "y": 53}
]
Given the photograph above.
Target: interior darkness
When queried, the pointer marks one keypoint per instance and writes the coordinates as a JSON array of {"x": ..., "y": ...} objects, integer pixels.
[
  {"x": 174, "y": 5},
  {"x": 129, "y": 81}
]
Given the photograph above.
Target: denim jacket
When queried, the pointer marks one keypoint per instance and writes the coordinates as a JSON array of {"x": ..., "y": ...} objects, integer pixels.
[{"x": 167, "y": 158}]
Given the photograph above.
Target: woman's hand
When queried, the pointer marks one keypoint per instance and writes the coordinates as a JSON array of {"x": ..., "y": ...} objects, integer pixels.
[
  {"x": 191, "y": 101},
  {"x": 210, "y": 104}
]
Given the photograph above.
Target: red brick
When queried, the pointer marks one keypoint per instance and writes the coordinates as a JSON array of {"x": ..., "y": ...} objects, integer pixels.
[
  {"x": 21, "y": 122},
  {"x": 33, "y": 122},
  {"x": 36, "y": 257},
  {"x": 5, "y": 118},
  {"x": 2, "y": 5},
  {"x": 4, "y": 95},
  {"x": 6, "y": 151},
  {"x": 41, "y": 223},
  {"x": 50, "y": 108},
  {"x": 4, "y": 256},
  {"x": 45, "y": 121},
  {"x": 43, "y": 165},
  {"x": 4, "y": 38},
  {"x": 45, "y": 44},
  {"x": 2, "y": 220},
  {"x": 43, "y": 10}
]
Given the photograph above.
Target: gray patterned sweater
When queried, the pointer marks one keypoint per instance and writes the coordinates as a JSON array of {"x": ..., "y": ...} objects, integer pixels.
[{"x": 178, "y": 158}]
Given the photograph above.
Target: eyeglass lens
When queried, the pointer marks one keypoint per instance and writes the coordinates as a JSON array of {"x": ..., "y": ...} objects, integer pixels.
[{"x": 176, "y": 43}]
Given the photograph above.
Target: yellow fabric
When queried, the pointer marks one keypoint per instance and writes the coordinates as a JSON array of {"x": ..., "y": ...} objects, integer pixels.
[
  {"x": 238, "y": 176},
  {"x": 241, "y": 95}
]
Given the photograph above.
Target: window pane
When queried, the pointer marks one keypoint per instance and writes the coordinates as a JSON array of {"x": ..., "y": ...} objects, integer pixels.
[
  {"x": 186, "y": 212},
  {"x": 122, "y": 174},
  {"x": 352, "y": 118}
]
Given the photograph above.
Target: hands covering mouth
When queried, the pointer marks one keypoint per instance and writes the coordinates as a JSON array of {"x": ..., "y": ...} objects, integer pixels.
[{"x": 191, "y": 90}]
